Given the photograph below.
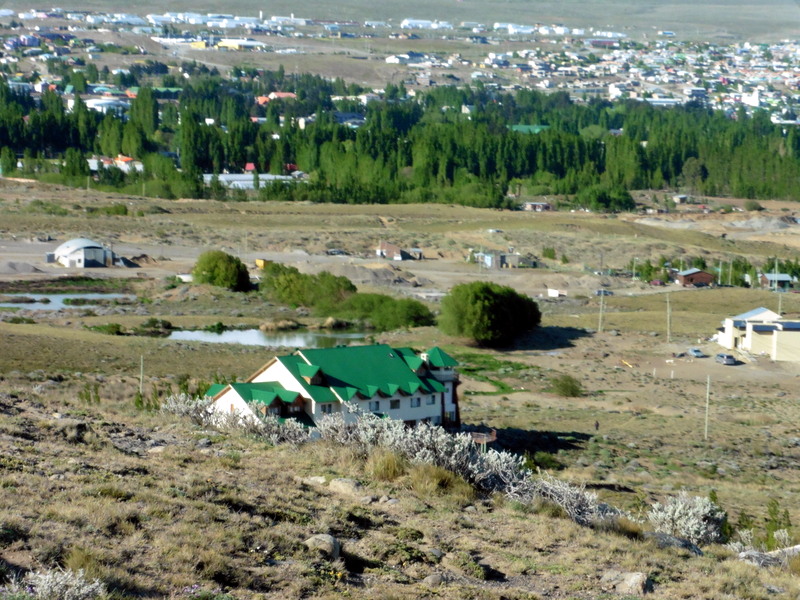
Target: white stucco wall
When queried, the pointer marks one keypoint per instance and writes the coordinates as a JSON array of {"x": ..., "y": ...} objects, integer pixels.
[{"x": 230, "y": 403}]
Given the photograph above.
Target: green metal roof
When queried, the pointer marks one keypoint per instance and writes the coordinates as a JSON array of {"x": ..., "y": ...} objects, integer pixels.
[
  {"x": 439, "y": 358},
  {"x": 260, "y": 393},
  {"x": 215, "y": 389},
  {"x": 365, "y": 370}
]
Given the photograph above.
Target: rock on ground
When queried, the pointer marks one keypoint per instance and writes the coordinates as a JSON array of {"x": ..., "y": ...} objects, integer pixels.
[
  {"x": 327, "y": 544},
  {"x": 625, "y": 583}
]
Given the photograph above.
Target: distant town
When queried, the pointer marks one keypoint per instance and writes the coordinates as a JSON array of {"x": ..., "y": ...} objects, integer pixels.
[{"x": 585, "y": 61}]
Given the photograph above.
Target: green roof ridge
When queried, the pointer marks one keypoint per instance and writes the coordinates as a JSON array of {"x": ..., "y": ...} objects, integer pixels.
[{"x": 439, "y": 358}]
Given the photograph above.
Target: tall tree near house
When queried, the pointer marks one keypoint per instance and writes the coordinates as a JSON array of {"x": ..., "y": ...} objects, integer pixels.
[
  {"x": 144, "y": 111},
  {"x": 110, "y": 136}
]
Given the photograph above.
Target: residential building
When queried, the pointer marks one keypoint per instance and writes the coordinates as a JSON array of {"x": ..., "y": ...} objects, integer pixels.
[
  {"x": 395, "y": 383},
  {"x": 762, "y": 332},
  {"x": 694, "y": 277}
]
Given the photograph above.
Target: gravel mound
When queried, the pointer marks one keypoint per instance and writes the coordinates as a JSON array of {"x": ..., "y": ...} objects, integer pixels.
[{"x": 9, "y": 267}]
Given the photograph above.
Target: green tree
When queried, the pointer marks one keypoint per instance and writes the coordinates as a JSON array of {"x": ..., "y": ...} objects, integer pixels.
[
  {"x": 8, "y": 161},
  {"x": 221, "y": 269},
  {"x": 144, "y": 111},
  {"x": 74, "y": 163},
  {"x": 492, "y": 315}
]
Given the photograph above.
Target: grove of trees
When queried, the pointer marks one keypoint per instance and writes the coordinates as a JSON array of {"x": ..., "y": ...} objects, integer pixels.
[
  {"x": 420, "y": 149},
  {"x": 336, "y": 296},
  {"x": 490, "y": 314}
]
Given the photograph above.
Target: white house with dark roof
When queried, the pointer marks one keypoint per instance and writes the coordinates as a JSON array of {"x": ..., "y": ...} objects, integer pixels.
[
  {"x": 762, "y": 332},
  {"x": 396, "y": 383}
]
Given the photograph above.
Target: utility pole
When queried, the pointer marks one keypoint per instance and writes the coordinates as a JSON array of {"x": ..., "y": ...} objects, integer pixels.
[
  {"x": 730, "y": 271},
  {"x": 708, "y": 397},
  {"x": 669, "y": 320},
  {"x": 602, "y": 306},
  {"x": 719, "y": 273},
  {"x": 775, "y": 275}
]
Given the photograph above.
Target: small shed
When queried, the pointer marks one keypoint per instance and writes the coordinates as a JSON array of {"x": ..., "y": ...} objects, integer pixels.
[
  {"x": 694, "y": 277},
  {"x": 83, "y": 253}
]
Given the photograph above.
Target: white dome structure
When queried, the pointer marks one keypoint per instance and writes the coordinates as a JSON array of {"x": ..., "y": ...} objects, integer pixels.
[{"x": 83, "y": 253}]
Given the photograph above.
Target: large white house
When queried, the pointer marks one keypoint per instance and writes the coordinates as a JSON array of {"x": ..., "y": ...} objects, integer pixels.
[
  {"x": 762, "y": 332},
  {"x": 396, "y": 383}
]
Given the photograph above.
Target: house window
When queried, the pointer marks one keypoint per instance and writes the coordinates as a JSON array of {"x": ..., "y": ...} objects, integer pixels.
[
  {"x": 374, "y": 406},
  {"x": 437, "y": 420},
  {"x": 415, "y": 402},
  {"x": 394, "y": 404},
  {"x": 326, "y": 409},
  {"x": 430, "y": 400}
]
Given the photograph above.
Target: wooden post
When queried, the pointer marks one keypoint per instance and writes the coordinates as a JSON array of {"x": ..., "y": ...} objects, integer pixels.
[
  {"x": 602, "y": 305},
  {"x": 708, "y": 396},
  {"x": 669, "y": 320},
  {"x": 141, "y": 374}
]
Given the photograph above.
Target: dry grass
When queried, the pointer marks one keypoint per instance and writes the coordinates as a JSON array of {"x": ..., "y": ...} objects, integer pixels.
[{"x": 166, "y": 513}]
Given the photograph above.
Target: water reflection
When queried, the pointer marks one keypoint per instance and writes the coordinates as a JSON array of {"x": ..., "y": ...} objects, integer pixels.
[
  {"x": 287, "y": 339},
  {"x": 56, "y": 301}
]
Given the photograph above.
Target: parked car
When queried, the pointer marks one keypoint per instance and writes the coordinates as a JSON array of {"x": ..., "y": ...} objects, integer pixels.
[
  {"x": 657, "y": 282},
  {"x": 603, "y": 293},
  {"x": 696, "y": 353},
  {"x": 725, "y": 359}
]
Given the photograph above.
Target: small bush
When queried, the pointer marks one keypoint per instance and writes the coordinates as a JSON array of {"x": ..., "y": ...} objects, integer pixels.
[
  {"x": 566, "y": 386},
  {"x": 223, "y": 270},
  {"x": 82, "y": 561},
  {"x": 430, "y": 480},
  {"x": 385, "y": 465},
  {"x": 109, "y": 329},
  {"x": 696, "y": 519},
  {"x": 54, "y": 584},
  {"x": 196, "y": 408},
  {"x": 11, "y": 531},
  {"x": 20, "y": 320},
  {"x": 542, "y": 460},
  {"x": 752, "y": 205},
  {"x": 549, "y": 252},
  {"x": 468, "y": 565}
]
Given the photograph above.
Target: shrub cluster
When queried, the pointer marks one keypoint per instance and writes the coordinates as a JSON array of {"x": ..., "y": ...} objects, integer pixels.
[
  {"x": 694, "y": 518},
  {"x": 55, "y": 584},
  {"x": 223, "y": 270},
  {"x": 331, "y": 295}
]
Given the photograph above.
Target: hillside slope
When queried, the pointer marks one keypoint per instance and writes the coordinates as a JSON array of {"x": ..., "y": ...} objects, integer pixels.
[{"x": 157, "y": 507}]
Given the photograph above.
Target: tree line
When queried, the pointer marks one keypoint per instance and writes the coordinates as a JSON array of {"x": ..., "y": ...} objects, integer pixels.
[{"x": 452, "y": 145}]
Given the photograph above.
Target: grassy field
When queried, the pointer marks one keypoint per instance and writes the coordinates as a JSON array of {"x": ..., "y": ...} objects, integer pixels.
[{"x": 128, "y": 513}]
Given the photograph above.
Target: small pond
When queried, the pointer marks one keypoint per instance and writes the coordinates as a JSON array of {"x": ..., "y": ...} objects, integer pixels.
[
  {"x": 56, "y": 301},
  {"x": 287, "y": 339}
]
